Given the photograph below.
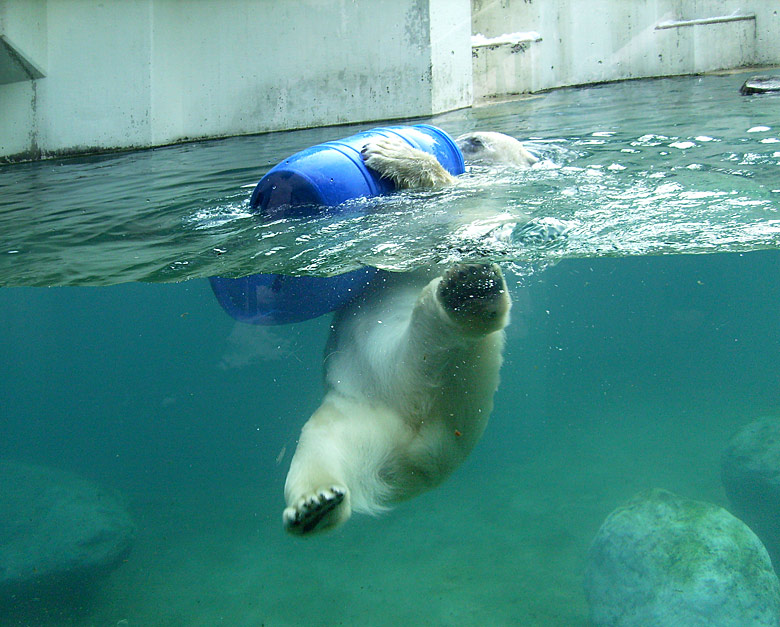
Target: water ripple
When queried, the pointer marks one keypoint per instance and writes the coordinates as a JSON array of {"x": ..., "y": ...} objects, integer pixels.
[{"x": 643, "y": 168}]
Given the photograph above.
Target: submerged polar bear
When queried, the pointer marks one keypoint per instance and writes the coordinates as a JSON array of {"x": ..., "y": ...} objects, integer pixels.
[{"x": 411, "y": 367}]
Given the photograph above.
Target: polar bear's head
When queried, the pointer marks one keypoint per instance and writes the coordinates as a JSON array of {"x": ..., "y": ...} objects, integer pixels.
[{"x": 494, "y": 148}]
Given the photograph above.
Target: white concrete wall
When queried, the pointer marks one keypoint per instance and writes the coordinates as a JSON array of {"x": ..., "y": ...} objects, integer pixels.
[
  {"x": 590, "y": 41},
  {"x": 85, "y": 75},
  {"x": 149, "y": 72}
]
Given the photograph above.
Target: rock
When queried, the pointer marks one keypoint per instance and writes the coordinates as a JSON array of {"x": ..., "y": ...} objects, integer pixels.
[
  {"x": 750, "y": 471},
  {"x": 58, "y": 532},
  {"x": 662, "y": 560},
  {"x": 760, "y": 85}
]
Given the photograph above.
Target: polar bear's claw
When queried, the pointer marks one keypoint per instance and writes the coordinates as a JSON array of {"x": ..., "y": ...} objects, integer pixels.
[{"x": 313, "y": 511}]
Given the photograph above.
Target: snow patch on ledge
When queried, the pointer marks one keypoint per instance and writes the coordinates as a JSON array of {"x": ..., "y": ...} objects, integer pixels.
[{"x": 511, "y": 39}]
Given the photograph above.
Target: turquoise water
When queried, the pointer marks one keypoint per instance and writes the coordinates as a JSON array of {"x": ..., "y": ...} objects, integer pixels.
[{"x": 625, "y": 368}]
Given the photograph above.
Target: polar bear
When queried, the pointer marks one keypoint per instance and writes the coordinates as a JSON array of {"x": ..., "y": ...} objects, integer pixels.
[
  {"x": 411, "y": 367},
  {"x": 411, "y": 168}
]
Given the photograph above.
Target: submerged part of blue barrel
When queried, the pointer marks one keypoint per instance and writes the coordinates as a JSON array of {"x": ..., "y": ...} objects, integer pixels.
[
  {"x": 281, "y": 299},
  {"x": 325, "y": 175}
]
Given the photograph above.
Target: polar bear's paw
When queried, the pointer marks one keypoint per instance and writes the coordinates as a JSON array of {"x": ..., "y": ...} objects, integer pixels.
[
  {"x": 408, "y": 167},
  {"x": 320, "y": 510},
  {"x": 475, "y": 297}
]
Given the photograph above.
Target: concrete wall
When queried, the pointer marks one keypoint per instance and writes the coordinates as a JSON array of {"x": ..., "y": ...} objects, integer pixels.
[
  {"x": 86, "y": 75},
  {"x": 573, "y": 42},
  {"x": 149, "y": 72}
]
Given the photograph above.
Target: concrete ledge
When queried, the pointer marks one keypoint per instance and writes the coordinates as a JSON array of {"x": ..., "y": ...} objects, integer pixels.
[
  {"x": 15, "y": 66},
  {"x": 501, "y": 63}
]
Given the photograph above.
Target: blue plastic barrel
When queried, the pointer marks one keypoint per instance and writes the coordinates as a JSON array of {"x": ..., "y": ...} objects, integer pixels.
[{"x": 325, "y": 175}]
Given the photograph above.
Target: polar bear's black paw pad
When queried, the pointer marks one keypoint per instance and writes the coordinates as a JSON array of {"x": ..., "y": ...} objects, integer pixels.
[
  {"x": 312, "y": 512},
  {"x": 475, "y": 293}
]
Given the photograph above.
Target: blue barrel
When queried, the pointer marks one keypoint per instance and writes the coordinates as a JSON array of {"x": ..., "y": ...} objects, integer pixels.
[{"x": 325, "y": 175}]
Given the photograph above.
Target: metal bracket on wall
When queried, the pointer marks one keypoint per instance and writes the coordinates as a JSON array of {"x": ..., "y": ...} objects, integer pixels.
[{"x": 721, "y": 19}]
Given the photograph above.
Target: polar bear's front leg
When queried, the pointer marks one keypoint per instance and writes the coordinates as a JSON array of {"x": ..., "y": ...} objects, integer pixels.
[
  {"x": 316, "y": 487},
  {"x": 406, "y": 166},
  {"x": 475, "y": 297}
]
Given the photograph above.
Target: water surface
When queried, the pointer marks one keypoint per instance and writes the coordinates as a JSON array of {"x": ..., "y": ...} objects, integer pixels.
[{"x": 630, "y": 177}]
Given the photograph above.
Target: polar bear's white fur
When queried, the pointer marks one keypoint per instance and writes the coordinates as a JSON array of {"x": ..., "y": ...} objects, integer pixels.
[
  {"x": 410, "y": 371},
  {"x": 406, "y": 166},
  {"x": 494, "y": 148},
  {"x": 409, "y": 167}
]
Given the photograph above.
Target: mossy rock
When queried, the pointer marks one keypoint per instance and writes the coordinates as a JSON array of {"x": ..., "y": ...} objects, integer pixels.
[
  {"x": 750, "y": 471},
  {"x": 662, "y": 559},
  {"x": 59, "y": 533}
]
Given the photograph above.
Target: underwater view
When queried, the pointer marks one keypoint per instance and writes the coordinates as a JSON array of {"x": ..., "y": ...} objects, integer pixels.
[{"x": 642, "y": 338}]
